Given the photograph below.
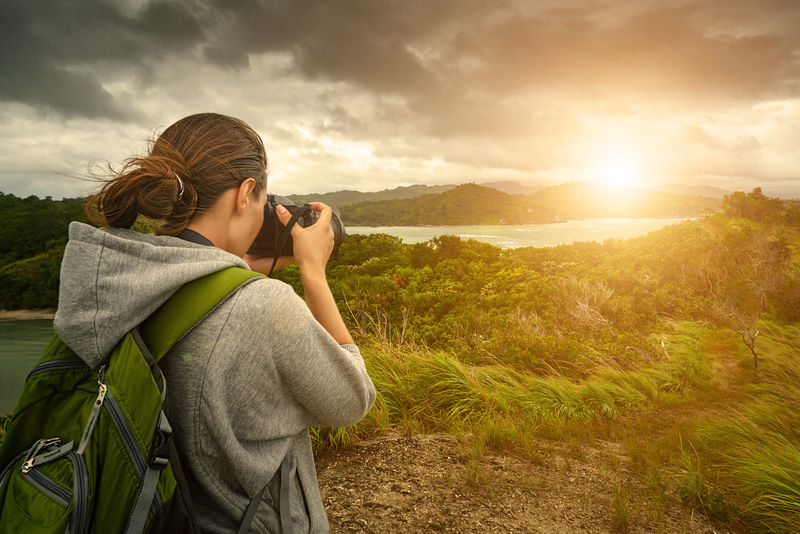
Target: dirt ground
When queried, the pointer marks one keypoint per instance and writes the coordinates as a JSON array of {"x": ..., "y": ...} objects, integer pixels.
[{"x": 433, "y": 483}]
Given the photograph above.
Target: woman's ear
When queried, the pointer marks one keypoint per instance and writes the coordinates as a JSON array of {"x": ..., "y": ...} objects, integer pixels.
[{"x": 243, "y": 197}]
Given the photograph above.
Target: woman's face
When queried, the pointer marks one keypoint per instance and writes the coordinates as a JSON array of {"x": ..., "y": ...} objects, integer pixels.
[
  {"x": 251, "y": 221},
  {"x": 260, "y": 199}
]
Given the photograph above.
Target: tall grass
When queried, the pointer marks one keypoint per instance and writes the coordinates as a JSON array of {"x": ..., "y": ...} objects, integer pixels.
[
  {"x": 742, "y": 465},
  {"x": 433, "y": 391},
  {"x": 755, "y": 456}
]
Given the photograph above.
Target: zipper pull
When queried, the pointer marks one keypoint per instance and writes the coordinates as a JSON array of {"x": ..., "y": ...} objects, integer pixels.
[
  {"x": 48, "y": 456},
  {"x": 95, "y": 413},
  {"x": 27, "y": 465}
]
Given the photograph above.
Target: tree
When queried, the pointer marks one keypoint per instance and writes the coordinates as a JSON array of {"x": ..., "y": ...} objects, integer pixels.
[
  {"x": 754, "y": 206},
  {"x": 752, "y": 273}
]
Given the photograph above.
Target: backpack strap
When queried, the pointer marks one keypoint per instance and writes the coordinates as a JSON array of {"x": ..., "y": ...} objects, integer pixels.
[
  {"x": 155, "y": 337},
  {"x": 188, "y": 306}
]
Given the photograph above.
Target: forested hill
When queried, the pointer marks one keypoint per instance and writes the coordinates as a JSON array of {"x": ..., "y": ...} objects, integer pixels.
[
  {"x": 347, "y": 197},
  {"x": 474, "y": 204},
  {"x": 466, "y": 204},
  {"x": 32, "y": 225}
]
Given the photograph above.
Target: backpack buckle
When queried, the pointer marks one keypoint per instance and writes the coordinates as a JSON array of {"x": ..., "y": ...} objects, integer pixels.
[
  {"x": 162, "y": 438},
  {"x": 159, "y": 462}
]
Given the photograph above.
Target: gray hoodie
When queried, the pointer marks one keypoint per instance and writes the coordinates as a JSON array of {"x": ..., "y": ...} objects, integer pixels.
[{"x": 244, "y": 385}]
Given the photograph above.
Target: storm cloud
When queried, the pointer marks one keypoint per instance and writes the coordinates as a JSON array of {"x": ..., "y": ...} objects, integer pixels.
[{"x": 487, "y": 88}]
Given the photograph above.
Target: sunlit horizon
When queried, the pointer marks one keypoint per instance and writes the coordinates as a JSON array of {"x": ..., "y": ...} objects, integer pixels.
[{"x": 619, "y": 94}]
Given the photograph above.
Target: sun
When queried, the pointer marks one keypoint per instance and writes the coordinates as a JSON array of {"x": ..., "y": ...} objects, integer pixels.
[
  {"x": 617, "y": 171},
  {"x": 615, "y": 157}
]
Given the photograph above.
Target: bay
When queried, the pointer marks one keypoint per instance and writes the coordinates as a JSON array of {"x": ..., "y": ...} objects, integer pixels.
[
  {"x": 22, "y": 344},
  {"x": 528, "y": 235}
]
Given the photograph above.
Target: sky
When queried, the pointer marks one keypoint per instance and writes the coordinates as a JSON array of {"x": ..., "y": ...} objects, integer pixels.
[{"x": 375, "y": 94}]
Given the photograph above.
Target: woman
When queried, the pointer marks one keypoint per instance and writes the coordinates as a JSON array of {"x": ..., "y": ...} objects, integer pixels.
[{"x": 250, "y": 379}]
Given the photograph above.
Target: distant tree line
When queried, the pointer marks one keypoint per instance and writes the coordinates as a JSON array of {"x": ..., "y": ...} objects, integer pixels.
[{"x": 33, "y": 233}]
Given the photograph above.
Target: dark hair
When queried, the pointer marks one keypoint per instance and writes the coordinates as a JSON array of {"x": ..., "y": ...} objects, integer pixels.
[{"x": 188, "y": 167}]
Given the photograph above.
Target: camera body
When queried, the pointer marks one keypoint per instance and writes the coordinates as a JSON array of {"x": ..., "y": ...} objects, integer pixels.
[{"x": 267, "y": 242}]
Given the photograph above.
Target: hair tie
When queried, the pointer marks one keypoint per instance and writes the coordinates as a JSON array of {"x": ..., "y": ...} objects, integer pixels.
[{"x": 180, "y": 185}]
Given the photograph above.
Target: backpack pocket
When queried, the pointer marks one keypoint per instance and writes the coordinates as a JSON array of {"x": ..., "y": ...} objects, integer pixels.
[{"x": 48, "y": 496}]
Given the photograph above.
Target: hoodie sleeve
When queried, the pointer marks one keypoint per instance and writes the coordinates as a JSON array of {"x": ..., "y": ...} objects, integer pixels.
[{"x": 286, "y": 365}]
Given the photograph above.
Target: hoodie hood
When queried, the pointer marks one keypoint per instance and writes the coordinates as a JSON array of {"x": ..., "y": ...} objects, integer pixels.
[{"x": 112, "y": 279}]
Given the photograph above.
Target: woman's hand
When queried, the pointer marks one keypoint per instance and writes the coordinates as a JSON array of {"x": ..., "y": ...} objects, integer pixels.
[
  {"x": 312, "y": 248},
  {"x": 312, "y": 245}
]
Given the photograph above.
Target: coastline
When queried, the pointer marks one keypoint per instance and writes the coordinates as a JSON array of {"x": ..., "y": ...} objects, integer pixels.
[
  {"x": 541, "y": 223},
  {"x": 22, "y": 315}
]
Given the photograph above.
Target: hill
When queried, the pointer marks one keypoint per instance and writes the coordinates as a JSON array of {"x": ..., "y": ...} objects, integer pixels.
[
  {"x": 475, "y": 204},
  {"x": 513, "y": 188},
  {"x": 466, "y": 204},
  {"x": 348, "y": 197}
]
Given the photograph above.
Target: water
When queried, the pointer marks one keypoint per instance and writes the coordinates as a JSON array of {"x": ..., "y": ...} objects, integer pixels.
[
  {"x": 529, "y": 235},
  {"x": 22, "y": 344}
]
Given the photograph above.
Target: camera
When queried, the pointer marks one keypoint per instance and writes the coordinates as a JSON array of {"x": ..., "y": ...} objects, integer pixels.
[{"x": 272, "y": 232}]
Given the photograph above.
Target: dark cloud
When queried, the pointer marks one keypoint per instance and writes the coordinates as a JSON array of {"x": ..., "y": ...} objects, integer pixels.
[
  {"x": 57, "y": 55},
  {"x": 461, "y": 67}
]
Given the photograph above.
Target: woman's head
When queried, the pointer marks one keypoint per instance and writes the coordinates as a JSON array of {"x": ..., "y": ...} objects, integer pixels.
[{"x": 190, "y": 165}]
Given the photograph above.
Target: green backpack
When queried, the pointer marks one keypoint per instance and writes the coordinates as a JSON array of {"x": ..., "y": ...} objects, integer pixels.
[{"x": 90, "y": 450}]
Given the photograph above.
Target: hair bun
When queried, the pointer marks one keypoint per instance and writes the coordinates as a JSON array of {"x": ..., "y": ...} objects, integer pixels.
[{"x": 189, "y": 166}]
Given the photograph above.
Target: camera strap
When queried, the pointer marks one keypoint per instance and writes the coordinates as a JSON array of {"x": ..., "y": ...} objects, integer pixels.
[{"x": 287, "y": 232}]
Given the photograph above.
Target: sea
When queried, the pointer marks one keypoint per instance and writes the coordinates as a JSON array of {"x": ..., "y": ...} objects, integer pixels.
[
  {"x": 528, "y": 235},
  {"x": 22, "y": 342}
]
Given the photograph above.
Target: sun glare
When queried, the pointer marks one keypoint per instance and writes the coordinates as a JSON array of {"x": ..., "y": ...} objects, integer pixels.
[
  {"x": 618, "y": 172},
  {"x": 616, "y": 160}
]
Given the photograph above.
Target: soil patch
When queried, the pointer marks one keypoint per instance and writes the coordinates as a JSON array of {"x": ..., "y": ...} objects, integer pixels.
[{"x": 437, "y": 483}]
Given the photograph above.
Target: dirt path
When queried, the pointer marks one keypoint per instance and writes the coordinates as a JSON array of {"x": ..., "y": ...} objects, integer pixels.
[{"x": 433, "y": 484}]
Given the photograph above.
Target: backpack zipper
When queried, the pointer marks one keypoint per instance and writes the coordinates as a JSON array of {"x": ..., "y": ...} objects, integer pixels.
[
  {"x": 131, "y": 444},
  {"x": 127, "y": 435},
  {"x": 50, "y": 488},
  {"x": 78, "y": 520},
  {"x": 68, "y": 363}
]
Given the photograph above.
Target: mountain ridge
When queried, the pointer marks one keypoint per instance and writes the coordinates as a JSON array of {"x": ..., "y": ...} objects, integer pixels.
[
  {"x": 466, "y": 204},
  {"x": 473, "y": 204}
]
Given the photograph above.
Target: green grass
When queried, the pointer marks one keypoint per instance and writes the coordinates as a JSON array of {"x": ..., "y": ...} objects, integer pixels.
[
  {"x": 433, "y": 391},
  {"x": 620, "y": 512},
  {"x": 754, "y": 456},
  {"x": 728, "y": 444}
]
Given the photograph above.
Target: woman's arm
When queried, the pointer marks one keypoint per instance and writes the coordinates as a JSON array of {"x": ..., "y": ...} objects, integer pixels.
[{"x": 312, "y": 249}]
